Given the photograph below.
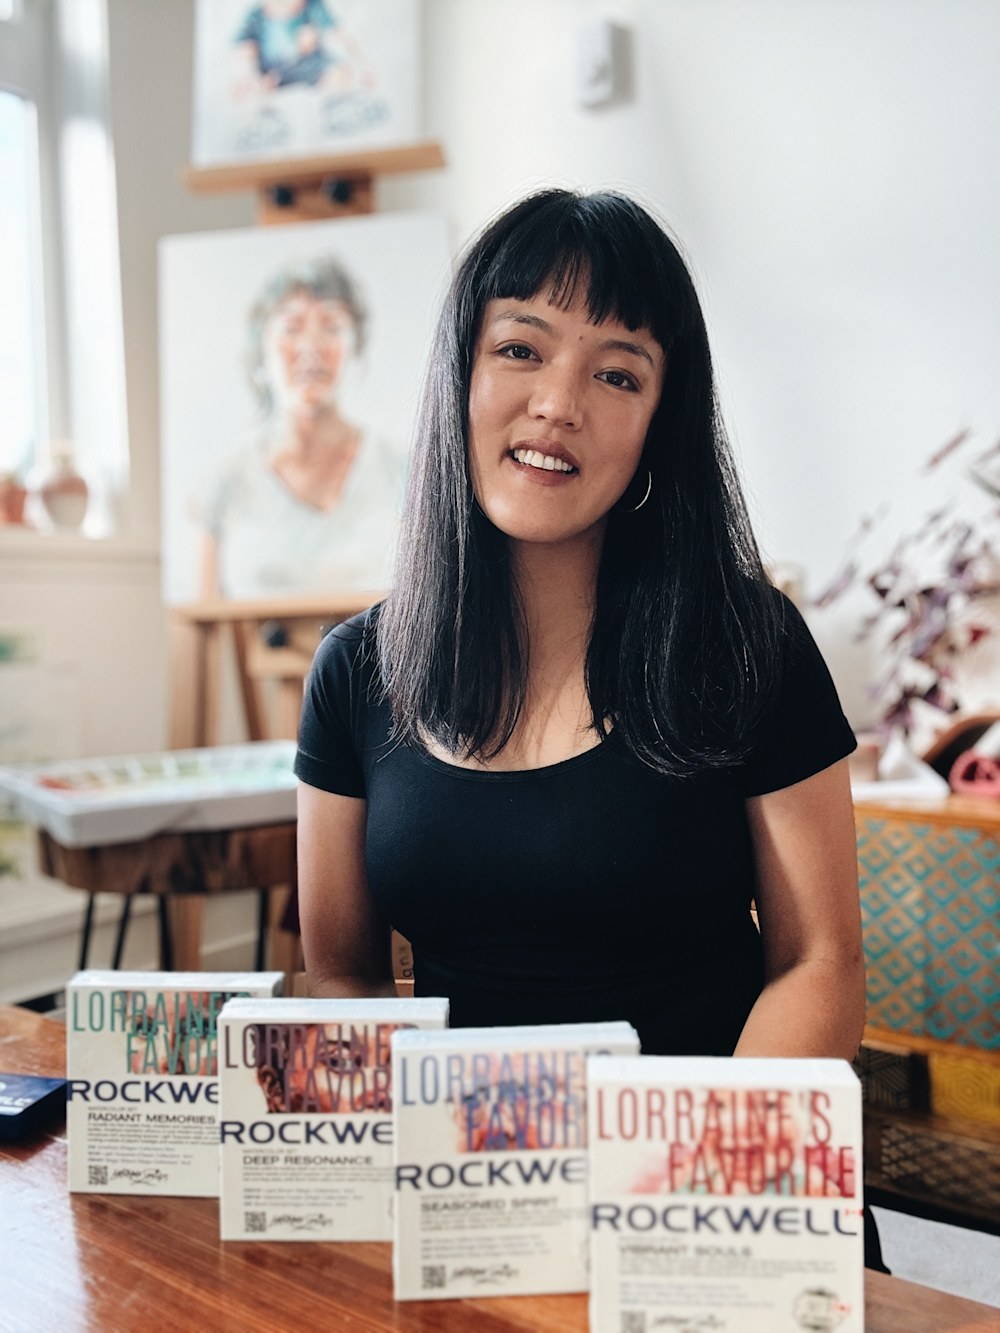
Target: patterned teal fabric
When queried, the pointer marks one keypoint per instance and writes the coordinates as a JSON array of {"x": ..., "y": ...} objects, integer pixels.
[{"x": 930, "y": 905}]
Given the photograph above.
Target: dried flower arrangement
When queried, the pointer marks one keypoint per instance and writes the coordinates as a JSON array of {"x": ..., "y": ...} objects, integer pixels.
[{"x": 937, "y": 616}]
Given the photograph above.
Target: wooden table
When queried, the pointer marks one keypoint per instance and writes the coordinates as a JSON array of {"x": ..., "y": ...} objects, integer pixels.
[{"x": 114, "y": 1264}]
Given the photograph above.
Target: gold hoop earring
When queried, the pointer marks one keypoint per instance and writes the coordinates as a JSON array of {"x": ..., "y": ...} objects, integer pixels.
[{"x": 649, "y": 488}]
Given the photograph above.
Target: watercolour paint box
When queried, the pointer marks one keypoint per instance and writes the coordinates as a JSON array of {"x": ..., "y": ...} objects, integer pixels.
[
  {"x": 94, "y": 802},
  {"x": 306, "y": 1115},
  {"x": 725, "y": 1194},
  {"x": 491, "y": 1158},
  {"x": 142, "y": 1114}
]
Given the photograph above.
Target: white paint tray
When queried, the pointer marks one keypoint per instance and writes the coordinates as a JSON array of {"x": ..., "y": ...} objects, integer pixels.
[{"x": 92, "y": 802}]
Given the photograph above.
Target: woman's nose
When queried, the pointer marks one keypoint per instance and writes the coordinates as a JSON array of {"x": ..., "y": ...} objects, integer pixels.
[{"x": 556, "y": 398}]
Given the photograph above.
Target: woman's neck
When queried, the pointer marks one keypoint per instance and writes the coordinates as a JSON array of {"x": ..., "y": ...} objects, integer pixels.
[
  {"x": 313, "y": 455},
  {"x": 558, "y": 588},
  {"x": 306, "y": 434}
]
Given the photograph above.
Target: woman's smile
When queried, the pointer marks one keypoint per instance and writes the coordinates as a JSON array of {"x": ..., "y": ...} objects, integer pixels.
[{"x": 542, "y": 456}]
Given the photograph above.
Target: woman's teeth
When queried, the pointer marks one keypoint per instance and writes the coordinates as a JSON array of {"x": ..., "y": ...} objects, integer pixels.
[{"x": 547, "y": 462}]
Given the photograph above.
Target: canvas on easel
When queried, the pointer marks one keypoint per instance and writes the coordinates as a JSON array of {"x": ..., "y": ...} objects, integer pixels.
[
  {"x": 291, "y": 366},
  {"x": 291, "y": 78}
]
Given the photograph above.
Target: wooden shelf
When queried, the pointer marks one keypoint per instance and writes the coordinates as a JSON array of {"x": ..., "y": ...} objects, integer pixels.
[
  {"x": 921, "y": 1045},
  {"x": 425, "y": 155},
  {"x": 321, "y": 607},
  {"x": 966, "y": 811}
]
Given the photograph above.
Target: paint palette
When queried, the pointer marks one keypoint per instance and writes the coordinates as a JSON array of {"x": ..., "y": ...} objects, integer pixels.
[{"x": 92, "y": 802}]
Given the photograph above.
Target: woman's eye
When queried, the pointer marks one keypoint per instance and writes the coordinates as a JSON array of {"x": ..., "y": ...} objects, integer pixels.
[
  {"x": 517, "y": 352},
  {"x": 618, "y": 379}
]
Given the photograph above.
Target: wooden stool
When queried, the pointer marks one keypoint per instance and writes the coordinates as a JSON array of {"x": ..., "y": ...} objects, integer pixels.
[{"x": 182, "y": 868}]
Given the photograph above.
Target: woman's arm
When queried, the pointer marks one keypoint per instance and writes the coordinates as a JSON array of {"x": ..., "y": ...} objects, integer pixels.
[
  {"x": 345, "y": 942},
  {"x": 813, "y": 1001}
]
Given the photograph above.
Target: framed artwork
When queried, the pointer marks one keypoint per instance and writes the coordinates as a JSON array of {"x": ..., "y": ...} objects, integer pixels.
[
  {"x": 291, "y": 362},
  {"x": 297, "y": 78}
]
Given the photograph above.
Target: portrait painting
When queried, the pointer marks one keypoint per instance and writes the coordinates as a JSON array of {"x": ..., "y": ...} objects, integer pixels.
[
  {"x": 291, "y": 78},
  {"x": 291, "y": 362}
]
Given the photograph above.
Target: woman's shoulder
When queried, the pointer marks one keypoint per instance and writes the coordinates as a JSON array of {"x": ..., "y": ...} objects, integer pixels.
[
  {"x": 350, "y": 645},
  {"x": 804, "y": 728}
]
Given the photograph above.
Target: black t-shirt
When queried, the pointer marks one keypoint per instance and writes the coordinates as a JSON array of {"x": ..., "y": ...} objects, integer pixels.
[{"x": 589, "y": 889}]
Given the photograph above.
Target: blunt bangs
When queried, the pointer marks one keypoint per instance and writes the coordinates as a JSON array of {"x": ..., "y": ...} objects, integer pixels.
[{"x": 601, "y": 248}]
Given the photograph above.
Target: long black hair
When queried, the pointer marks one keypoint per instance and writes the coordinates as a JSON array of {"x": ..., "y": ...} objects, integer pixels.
[{"x": 681, "y": 661}]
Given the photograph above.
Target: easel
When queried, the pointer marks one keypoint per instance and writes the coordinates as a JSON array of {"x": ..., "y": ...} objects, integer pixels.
[
  {"x": 271, "y": 640},
  {"x": 306, "y": 189}
]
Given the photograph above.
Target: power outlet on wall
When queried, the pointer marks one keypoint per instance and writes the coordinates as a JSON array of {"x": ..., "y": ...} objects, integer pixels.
[{"x": 600, "y": 63}]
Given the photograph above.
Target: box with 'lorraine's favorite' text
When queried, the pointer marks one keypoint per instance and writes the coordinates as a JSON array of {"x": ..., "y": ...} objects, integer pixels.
[
  {"x": 491, "y": 1158},
  {"x": 306, "y": 1102},
  {"x": 142, "y": 1063},
  {"x": 725, "y": 1194}
]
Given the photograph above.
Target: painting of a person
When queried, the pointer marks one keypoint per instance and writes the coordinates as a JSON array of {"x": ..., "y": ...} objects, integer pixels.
[
  {"x": 311, "y": 505},
  {"x": 301, "y": 77},
  {"x": 285, "y": 42}
]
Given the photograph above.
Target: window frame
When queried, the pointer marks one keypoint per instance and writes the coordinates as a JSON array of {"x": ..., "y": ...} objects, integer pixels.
[{"x": 26, "y": 72}]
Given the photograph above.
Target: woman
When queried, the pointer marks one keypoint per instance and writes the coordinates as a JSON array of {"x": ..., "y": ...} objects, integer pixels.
[
  {"x": 583, "y": 732},
  {"x": 313, "y": 507}
]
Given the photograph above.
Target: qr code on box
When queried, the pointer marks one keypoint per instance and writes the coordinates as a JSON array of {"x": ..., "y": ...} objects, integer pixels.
[
  {"x": 633, "y": 1321},
  {"x": 255, "y": 1222},
  {"x": 433, "y": 1277},
  {"x": 97, "y": 1175}
]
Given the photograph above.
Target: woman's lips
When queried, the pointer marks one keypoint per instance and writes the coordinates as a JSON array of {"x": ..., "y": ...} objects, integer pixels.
[{"x": 544, "y": 460}]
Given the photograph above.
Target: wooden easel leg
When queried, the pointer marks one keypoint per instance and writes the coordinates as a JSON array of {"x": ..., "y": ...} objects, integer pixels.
[
  {"x": 289, "y": 707},
  {"x": 209, "y": 668},
  {"x": 282, "y": 945},
  {"x": 253, "y": 711},
  {"x": 186, "y": 911},
  {"x": 185, "y": 685}
]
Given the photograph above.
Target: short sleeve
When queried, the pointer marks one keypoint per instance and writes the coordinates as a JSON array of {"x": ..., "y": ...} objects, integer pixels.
[
  {"x": 318, "y": 15},
  {"x": 328, "y": 754},
  {"x": 249, "y": 30},
  {"x": 805, "y": 731}
]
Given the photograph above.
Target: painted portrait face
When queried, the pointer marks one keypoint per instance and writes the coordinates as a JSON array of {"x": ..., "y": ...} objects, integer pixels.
[
  {"x": 306, "y": 343},
  {"x": 284, "y": 9},
  {"x": 559, "y": 409}
]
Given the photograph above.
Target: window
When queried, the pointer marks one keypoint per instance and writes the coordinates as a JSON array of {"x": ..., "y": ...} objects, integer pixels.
[
  {"x": 23, "y": 422},
  {"x": 61, "y": 350}
]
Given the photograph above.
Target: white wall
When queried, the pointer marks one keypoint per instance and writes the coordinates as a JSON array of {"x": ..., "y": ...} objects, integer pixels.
[{"x": 830, "y": 167}]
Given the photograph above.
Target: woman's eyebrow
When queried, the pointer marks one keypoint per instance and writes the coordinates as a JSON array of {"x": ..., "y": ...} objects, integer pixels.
[
  {"x": 622, "y": 345},
  {"x": 519, "y": 317}
]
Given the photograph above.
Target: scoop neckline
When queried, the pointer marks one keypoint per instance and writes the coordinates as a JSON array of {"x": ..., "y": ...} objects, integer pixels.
[{"x": 513, "y": 774}]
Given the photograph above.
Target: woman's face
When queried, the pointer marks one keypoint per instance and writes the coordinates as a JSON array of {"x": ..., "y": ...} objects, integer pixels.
[
  {"x": 305, "y": 343},
  {"x": 559, "y": 408}
]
